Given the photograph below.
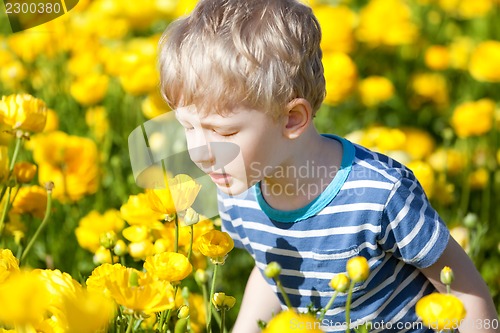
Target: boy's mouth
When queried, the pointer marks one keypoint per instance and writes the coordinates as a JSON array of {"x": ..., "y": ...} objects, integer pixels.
[{"x": 222, "y": 179}]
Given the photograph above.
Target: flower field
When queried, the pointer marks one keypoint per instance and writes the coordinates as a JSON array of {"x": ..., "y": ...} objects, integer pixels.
[{"x": 84, "y": 248}]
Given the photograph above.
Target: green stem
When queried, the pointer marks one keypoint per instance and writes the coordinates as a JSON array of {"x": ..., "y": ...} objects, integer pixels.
[
  {"x": 19, "y": 139},
  {"x": 190, "y": 251},
  {"x": 464, "y": 200},
  {"x": 40, "y": 227},
  {"x": 348, "y": 308},
  {"x": 162, "y": 320},
  {"x": 5, "y": 210},
  {"x": 448, "y": 289},
  {"x": 130, "y": 324},
  {"x": 328, "y": 306},
  {"x": 283, "y": 293},
  {"x": 212, "y": 291},
  {"x": 17, "y": 148},
  {"x": 176, "y": 238},
  {"x": 111, "y": 256},
  {"x": 169, "y": 311},
  {"x": 223, "y": 320}
]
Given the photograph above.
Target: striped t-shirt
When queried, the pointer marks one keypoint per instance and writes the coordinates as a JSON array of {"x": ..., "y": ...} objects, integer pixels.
[{"x": 374, "y": 207}]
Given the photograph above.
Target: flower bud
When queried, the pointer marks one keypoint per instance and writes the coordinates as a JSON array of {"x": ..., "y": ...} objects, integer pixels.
[
  {"x": 24, "y": 172},
  {"x": 108, "y": 239},
  {"x": 120, "y": 248},
  {"x": 191, "y": 217},
  {"x": 272, "y": 270},
  {"x": 183, "y": 312},
  {"x": 221, "y": 301},
  {"x": 201, "y": 276},
  {"x": 340, "y": 282},
  {"x": 358, "y": 269},
  {"x": 446, "y": 275},
  {"x": 470, "y": 220}
]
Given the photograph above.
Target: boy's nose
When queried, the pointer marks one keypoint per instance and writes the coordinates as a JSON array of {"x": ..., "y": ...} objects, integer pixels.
[{"x": 202, "y": 155}]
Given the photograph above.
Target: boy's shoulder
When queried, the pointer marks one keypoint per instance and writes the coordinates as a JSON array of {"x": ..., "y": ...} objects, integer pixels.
[{"x": 369, "y": 165}]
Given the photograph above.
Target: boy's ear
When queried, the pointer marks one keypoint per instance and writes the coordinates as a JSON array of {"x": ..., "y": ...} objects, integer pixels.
[{"x": 297, "y": 117}]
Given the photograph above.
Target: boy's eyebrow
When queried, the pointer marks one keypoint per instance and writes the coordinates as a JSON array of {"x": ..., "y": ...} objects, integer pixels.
[{"x": 203, "y": 123}]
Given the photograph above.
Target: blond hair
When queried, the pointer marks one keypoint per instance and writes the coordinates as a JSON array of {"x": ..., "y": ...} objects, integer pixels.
[{"x": 256, "y": 53}]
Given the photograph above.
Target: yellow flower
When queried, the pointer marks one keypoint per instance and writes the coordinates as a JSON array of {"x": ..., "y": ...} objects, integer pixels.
[
  {"x": 430, "y": 87},
  {"x": 52, "y": 123},
  {"x": 341, "y": 76},
  {"x": 4, "y": 163},
  {"x": 8, "y": 264},
  {"x": 154, "y": 105},
  {"x": 141, "y": 250},
  {"x": 135, "y": 291},
  {"x": 138, "y": 73},
  {"x": 375, "y": 90},
  {"x": 89, "y": 89},
  {"x": 97, "y": 120},
  {"x": 180, "y": 195},
  {"x": 449, "y": 160},
  {"x": 169, "y": 266},
  {"x": 30, "y": 200},
  {"x": 28, "y": 45},
  {"x": 102, "y": 255},
  {"x": 386, "y": 22},
  {"x": 71, "y": 162},
  {"x": 440, "y": 311},
  {"x": 96, "y": 282},
  {"x": 221, "y": 301},
  {"x": 216, "y": 245},
  {"x": 136, "y": 211},
  {"x": 337, "y": 27},
  {"x": 24, "y": 172},
  {"x": 479, "y": 178},
  {"x": 424, "y": 174},
  {"x": 94, "y": 224},
  {"x": 461, "y": 236},
  {"x": 136, "y": 233},
  {"x": 340, "y": 282},
  {"x": 473, "y": 118},
  {"x": 467, "y": 9},
  {"x": 291, "y": 322},
  {"x": 459, "y": 52},
  {"x": 12, "y": 74},
  {"x": 383, "y": 139},
  {"x": 483, "y": 64},
  {"x": 87, "y": 311},
  {"x": 358, "y": 269},
  {"x": 419, "y": 143},
  {"x": 23, "y": 112},
  {"x": 27, "y": 297},
  {"x": 58, "y": 285},
  {"x": 197, "y": 313},
  {"x": 437, "y": 57}
]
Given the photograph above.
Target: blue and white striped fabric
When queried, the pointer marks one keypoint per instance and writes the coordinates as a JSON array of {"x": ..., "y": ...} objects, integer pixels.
[{"x": 374, "y": 208}]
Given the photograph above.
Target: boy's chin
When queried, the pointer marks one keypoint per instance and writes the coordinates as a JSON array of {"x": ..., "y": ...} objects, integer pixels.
[{"x": 234, "y": 188}]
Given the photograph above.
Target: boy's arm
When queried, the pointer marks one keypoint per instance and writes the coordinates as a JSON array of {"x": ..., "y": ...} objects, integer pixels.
[
  {"x": 469, "y": 286},
  {"x": 259, "y": 303}
]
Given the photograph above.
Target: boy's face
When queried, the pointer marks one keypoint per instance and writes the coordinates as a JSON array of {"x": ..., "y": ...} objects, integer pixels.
[{"x": 237, "y": 150}]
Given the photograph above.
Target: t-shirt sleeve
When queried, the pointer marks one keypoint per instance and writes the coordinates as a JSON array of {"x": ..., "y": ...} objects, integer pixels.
[
  {"x": 410, "y": 228},
  {"x": 227, "y": 220}
]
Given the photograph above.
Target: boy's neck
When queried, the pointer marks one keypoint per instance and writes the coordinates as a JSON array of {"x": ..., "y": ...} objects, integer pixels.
[{"x": 309, "y": 168}]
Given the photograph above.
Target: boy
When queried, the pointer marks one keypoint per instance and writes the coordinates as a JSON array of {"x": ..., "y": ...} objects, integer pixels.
[{"x": 246, "y": 79}]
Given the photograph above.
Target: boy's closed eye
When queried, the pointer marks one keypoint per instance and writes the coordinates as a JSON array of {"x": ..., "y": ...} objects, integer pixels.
[{"x": 224, "y": 133}]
